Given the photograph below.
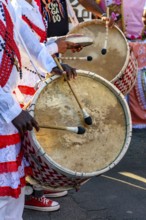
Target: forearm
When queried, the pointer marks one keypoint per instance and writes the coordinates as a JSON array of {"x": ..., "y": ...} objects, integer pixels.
[
  {"x": 92, "y": 6},
  {"x": 51, "y": 46}
]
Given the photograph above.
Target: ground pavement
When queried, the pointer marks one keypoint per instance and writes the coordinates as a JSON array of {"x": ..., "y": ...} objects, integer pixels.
[{"x": 119, "y": 194}]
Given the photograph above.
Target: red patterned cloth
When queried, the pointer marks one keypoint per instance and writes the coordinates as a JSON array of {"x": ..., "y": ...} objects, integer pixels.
[
  {"x": 27, "y": 90},
  {"x": 13, "y": 165},
  {"x": 7, "y": 33},
  {"x": 38, "y": 3}
]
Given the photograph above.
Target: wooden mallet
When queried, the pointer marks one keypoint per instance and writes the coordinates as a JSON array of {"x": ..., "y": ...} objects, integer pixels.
[
  {"x": 77, "y": 130},
  {"x": 87, "y": 118}
]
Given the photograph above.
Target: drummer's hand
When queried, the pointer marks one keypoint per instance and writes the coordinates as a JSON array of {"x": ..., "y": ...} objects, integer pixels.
[
  {"x": 62, "y": 45},
  {"x": 24, "y": 121},
  {"x": 110, "y": 21},
  {"x": 56, "y": 71},
  {"x": 70, "y": 71},
  {"x": 74, "y": 47}
]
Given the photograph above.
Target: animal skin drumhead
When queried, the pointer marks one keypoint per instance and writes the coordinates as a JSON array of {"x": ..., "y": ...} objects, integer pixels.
[
  {"x": 108, "y": 65},
  {"x": 102, "y": 142}
]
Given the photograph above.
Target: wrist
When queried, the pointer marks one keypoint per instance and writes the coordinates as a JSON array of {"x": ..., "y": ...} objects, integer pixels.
[{"x": 103, "y": 15}]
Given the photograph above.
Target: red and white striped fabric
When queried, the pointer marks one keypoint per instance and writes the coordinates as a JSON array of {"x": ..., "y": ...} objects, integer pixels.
[
  {"x": 13, "y": 165},
  {"x": 12, "y": 162}
]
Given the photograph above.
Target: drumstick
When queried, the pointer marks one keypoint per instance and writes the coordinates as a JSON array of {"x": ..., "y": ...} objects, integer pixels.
[
  {"x": 104, "y": 49},
  {"x": 26, "y": 105},
  {"x": 87, "y": 118},
  {"x": 77, "y": 130},
  {"x": 88, "y": 58}
]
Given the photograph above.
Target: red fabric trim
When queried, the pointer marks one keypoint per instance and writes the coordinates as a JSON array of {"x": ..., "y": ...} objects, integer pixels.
[
  {"x": 27, "y": 90},
  {"x": 6, "y": 140},
  {"x": 8, "y": 191},
  {"x": 5, "y": 69},
  {"x": 13, "y": 165},
  {"x": 10, "y": 48},
  {"x": 37, "y": 30},
  {"x": 21, "y": 105},
  {"x": 39, "y": 4},
  {"x": 28, "y": 171},
  {"x": 10, "y": 36}
]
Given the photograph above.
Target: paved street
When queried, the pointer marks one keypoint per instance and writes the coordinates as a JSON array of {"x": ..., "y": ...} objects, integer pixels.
[{"x": 119, "y": 194}]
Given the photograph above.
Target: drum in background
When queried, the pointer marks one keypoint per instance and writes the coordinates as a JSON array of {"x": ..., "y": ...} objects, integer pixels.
[
  {"x": 140, "y": 88},
  {"x": 63, "y": 160},
  {"x": 117, "y": 65}
]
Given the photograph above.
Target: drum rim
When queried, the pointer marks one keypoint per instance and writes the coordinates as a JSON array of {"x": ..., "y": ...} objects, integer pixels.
[
  {"x": 99, "y": 21},
  {"x": 128, "y": 124}
]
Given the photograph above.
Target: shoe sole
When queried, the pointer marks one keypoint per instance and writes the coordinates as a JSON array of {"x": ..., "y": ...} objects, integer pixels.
[
  {"x": 56, "y": 195},
  {"x": 43, "y": 209}
]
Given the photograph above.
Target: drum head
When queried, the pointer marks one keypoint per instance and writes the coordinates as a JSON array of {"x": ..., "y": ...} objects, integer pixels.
[
  {"x": 104, "y": 141},
  {"x": 109, "y": 65}
]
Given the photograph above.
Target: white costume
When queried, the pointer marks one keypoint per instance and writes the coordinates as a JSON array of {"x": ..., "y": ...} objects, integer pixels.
[
  {"x": 32, "y": 17},
  {"x": 12, "y": 162}
]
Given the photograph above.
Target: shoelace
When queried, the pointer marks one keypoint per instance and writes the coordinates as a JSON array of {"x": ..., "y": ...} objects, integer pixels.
[{"x": 44, "y": 200}]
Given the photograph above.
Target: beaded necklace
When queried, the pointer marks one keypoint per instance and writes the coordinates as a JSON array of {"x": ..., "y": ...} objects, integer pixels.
[
  {"x": 11, "y": 54},
  {"x": 34, "y": 72}
]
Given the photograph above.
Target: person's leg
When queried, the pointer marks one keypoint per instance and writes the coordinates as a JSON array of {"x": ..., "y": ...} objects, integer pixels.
[
  {"x": 15, "y": 207},
  {"x": 50, "y": 193},
  {"x": 35, "y": 200},
  {"x": 3, "y": 206}
]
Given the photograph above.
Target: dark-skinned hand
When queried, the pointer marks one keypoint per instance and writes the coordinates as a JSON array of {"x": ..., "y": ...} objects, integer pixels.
[
  {"x": 64, "y": 45},
  {"x": 25, "y": 122},
  {"x": 68, "y": 70}
]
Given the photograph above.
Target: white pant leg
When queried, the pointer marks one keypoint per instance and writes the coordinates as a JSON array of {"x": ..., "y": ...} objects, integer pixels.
[
  {"x": 11, "y": 208},
  {"x": 3, "y": 206}
]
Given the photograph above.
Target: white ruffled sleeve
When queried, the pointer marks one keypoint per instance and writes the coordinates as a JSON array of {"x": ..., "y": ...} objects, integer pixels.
[{"x": 9, "y": 108}]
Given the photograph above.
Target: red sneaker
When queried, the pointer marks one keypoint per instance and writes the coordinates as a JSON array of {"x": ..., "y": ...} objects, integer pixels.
[
  {"x": 41, "y": 204},
  {"x": 54, "y": 194}
]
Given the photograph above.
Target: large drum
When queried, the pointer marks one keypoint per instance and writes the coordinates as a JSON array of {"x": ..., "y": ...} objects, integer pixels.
[
  {"x": 118, "y": 65},
  {"x": 62, "y": 159}
]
